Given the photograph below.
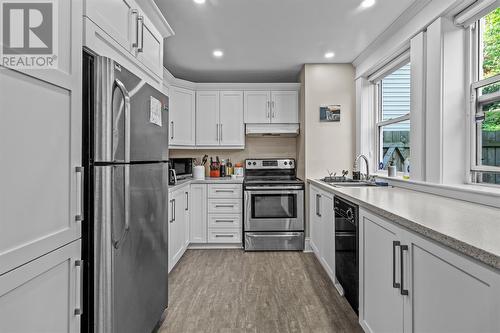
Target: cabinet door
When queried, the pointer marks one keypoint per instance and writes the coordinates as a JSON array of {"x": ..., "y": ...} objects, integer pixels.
[
  {"x": 176, "y": 228},
  {"x": 150, "y": 48},
  {"x": 198, "y": 211},
  {"x": 328, "y": 234},
  {"x": 115, "y": 18},
  {"x": 315, "y": 220},
  {"x": 207, "y": 118},
  {"x": 381, "y": 304},
  {"x": 232, "y": 128},
  {"x": 447, "y": 292},
  {"x": 40, "y": 145},
  {"x": 182, "y": 117},
  {"x": 43, "y": 295},
  {"x": 284, "y": 107},
  {"x": 257, "y": 107}
]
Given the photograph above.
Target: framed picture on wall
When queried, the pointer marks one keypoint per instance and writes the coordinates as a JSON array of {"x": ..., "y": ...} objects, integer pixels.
[{"x": 329, "y": 113}]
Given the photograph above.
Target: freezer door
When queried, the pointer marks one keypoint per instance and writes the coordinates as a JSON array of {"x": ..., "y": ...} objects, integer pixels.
[
  {"x": 130, "y": 116},
  {"x": 148, "y": 119},
  {"x": 131, "y": 259}
]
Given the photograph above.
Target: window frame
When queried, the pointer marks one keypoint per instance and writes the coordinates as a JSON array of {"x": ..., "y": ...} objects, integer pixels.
[
  {"x": 476, "y": 102},
  {"x": 379, "y": 123}
]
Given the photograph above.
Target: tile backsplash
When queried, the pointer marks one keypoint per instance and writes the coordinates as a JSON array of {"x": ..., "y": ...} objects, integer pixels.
[{"x": 255, "y": 147}]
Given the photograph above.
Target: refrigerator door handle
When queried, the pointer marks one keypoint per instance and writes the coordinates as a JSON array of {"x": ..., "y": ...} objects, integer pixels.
[
  {"x": 126, "y": 100},
  {"x": 79, "y": 193},
  {"x": 126, "y": 173}
]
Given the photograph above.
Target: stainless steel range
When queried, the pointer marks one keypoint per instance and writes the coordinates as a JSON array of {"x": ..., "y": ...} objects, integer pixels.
[{"x": 274, "y": 206}]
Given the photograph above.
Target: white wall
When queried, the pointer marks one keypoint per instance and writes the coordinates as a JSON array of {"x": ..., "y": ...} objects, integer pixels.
[
  {"x": 328, "y": 145},
  {"x": 255, "y": 147}
]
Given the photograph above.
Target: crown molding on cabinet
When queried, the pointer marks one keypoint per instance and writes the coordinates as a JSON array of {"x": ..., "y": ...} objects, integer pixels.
[
  {"x": 170, "y": 80},
  {"x": 155, "y": 15}
]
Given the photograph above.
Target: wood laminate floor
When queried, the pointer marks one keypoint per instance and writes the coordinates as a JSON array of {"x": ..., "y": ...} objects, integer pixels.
[{"x": 237, "y": 291}]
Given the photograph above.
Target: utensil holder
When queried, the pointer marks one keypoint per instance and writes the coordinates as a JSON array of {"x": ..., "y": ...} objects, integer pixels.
[{"x": 199, "y": 172}]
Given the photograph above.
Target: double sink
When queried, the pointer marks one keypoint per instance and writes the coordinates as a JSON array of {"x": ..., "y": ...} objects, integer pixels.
[{"x": 347, "y": 182}]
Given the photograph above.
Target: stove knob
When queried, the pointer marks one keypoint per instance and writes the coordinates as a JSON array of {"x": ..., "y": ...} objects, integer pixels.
[
  {"x": 349, "y": 213},
  {"x": 286, "y": 163},
  {"x": 254, "y": 163},
  {"x": 249, "y": 163},
  {"x": 291, "y": 162}
]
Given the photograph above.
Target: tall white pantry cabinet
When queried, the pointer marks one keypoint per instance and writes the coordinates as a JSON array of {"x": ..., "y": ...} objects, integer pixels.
[{"x": 41, "y": 188}]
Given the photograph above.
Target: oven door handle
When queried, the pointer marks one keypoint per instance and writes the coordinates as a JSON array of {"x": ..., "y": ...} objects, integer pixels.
[
  {"x": 274, "y": 188},
  {"x": 274, "y": 236}
]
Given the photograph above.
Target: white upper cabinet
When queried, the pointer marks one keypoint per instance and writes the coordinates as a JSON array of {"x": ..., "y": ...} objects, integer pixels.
[
  {"x": 125, "y": 24},
  {"x": 257, "y": 107},
  {"x": 219, "y": 119},
  {"x": 232, "y": 128},
  {"x": 149, "y": 48},
  {"x": 116, "y": 17},
  {"x": 181, "y": 117},
  {"x": 277, "y": 107},
  {"x": 284, "y": 107},
  {"x": 207, "y": 118}
]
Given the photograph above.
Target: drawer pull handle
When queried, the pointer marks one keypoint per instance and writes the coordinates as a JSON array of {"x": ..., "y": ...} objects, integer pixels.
[
  {"x": 224, "y": 191},
  {"x": 224, "y": 206},
  {"x": 224, "y": 221},
  {"x": 224, "y": 236},
  {"x": 394, "y": 283},
  {"x": 404, "y": 291}
]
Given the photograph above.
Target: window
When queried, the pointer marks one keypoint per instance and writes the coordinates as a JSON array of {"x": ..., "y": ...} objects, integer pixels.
[
  {"x": 486, "y": 100},
  {"x": 393, "y": 118}
]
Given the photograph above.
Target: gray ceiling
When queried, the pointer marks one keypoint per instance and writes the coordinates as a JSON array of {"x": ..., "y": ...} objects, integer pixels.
[{"x": 268, "y": 40}]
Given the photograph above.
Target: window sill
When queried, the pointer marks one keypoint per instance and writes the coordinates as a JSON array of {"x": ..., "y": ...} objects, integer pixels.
[{"x": 482, "y": 194}]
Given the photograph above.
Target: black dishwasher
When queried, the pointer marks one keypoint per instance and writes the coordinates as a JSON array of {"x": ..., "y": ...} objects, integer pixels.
[{"x": 346, "y": 249}]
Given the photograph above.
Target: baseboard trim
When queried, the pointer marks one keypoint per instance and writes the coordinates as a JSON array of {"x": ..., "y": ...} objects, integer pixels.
[
  {"x": 307, "y": 245},
  {"x": 214, "y": 246}
]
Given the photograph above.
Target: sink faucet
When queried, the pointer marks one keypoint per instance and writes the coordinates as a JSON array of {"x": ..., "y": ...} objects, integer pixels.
[{"x": 367, "y": 165}]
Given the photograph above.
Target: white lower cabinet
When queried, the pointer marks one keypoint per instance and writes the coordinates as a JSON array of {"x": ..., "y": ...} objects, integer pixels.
[
  {"x": 198, "y": 212},
  {"x": 178, "y": 224},
  {"x": 224, "y": 213},
  {"x": 44, "y": 294},
  {"x": 437, "y": 289},
  {"x": 201, "y": 214},
  {"x": 381, "y": 304},
  {"x": 322, "y": 228}
]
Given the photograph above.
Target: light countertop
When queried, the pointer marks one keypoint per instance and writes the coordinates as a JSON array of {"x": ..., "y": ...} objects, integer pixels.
[
  {"x": 469, "y": 228},
  {"x": 207, "y": 180}
]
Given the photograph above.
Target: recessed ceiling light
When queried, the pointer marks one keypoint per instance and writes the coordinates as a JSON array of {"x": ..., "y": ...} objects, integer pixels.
[
  {"x": 367, "y": 3},
  {"x": 199, "y": 1},
  {"x": 218, "y": 53},
  {"x": 329, "y": 55}
]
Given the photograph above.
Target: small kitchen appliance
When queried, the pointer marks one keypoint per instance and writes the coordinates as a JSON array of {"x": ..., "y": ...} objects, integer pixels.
[{"x": 183, "y": 167}]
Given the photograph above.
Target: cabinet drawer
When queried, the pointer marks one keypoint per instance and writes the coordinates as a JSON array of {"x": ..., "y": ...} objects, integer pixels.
[
  {"x": 224, "y": 236},
  {"x": 224, "y": 205},
  {"x": 224, "y": 191},
  {"x": 224, "y": 221}
]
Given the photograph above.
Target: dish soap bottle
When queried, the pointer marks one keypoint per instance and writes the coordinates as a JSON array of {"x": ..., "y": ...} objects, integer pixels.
[{"x": 406, "y": 169}]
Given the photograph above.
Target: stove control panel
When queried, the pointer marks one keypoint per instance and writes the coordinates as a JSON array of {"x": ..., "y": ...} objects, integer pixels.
[{"x": 270, "y": 164}]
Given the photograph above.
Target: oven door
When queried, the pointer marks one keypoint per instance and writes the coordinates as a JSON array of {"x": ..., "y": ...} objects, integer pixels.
[{"x": 274, "y": 209}]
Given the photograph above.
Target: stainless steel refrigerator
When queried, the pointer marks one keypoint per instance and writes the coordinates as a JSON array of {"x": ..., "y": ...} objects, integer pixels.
[{"x": 126, "y": 194}]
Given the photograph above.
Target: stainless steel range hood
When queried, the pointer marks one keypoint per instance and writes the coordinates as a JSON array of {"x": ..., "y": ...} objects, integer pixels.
[{"x": 284, "y": 130}]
